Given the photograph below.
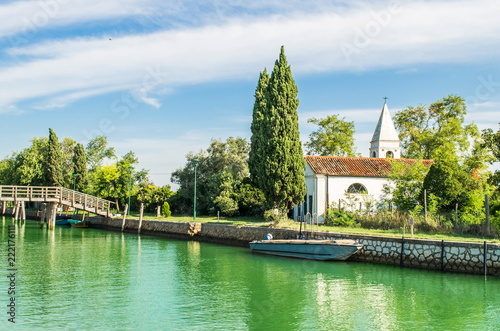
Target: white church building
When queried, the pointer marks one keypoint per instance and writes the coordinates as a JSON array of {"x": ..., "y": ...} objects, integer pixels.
[{"x": 329, "y": 178}]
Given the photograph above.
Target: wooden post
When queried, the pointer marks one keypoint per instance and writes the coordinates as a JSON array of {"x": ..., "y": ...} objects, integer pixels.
[
  {"x": 3, "y": 207},
  {"x": 53, "y": 213},
  {"x": 16, "y": 217},
  {"x": 83, "y": 216},
  {"x": 442, "y": 255},
  {"x": 339, "y": 204},
  {"x": 124, "y": 216},
  {"x": 158, "y": 211},
  {"x": 140, "y": 218},
  {"x": 425, "y": 205},
  {"x": 23, "y": 211},
  {"x": 392, "y": 210},
  {"x": 487, "y": 212},
  {"x": 14, "y": 208},
  {"x": 485, "y": 252}
]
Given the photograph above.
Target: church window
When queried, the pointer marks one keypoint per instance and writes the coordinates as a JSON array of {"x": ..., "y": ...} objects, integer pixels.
[
  {"x": 389, "y": 155},
  {"x": 374, "y": 154},
  {"x": 357, "y": 188}
]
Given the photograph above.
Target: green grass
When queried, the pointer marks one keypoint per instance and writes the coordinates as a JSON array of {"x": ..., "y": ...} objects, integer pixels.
[
  {"x": 241, "y": 220},
  {"x": 398, "y": 233},
  {"x": 260, "y": 222}
]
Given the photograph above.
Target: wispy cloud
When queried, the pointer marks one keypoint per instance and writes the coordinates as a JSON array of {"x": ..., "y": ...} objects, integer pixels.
[{"x": 240, "y": 46}]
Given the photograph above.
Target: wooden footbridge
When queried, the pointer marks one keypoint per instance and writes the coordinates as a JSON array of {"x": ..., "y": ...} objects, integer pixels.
[{"x": 52, "y": 197}]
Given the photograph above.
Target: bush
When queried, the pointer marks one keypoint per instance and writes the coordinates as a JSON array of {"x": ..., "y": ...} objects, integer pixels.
[
  {"x": 340, "y": 218},
  {"x": 165, "y": 210},
  {"x": 275, "y": 216}
]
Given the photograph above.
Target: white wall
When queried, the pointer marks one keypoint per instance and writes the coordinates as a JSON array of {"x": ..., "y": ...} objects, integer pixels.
[{"x": 336, "y": 186}]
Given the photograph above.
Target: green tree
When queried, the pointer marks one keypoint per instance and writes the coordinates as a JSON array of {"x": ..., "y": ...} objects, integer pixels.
[
  {"x": 407, "y": 184},
  {"x": 54, "y": 161},
  {"x": 28, "y": 167},
  {"x": 257, "y": 140},
  {"x": 491, "y": 142},
  {"x": 333, "y": 137},
  {"x": 97, "y": 151},
  {"x": 280, "y": 172},
  {"x": 223, "y": 162},
  {"x": 67, "y": 153},
  {"x": 80, "y": 168},
  {"x": 428, "y": 132}
]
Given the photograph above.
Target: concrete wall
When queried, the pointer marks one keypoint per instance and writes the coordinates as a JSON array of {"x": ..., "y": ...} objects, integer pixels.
[{"x": 424, "y": 254}]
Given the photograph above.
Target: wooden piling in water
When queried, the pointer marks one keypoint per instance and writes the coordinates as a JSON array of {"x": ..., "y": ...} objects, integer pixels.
[
  {"x": 16, "y": 214},
  {"x": 124, "y": 216},
  {"x": 23, "y": 211},
  {"x": 140, "y": 218}
]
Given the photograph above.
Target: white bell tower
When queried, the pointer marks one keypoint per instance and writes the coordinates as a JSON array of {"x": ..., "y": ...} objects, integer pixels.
[{"x": 385, "y": 140}]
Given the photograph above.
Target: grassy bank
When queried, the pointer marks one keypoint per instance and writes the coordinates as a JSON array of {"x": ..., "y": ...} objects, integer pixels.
[{"x": 260, "y": 222}]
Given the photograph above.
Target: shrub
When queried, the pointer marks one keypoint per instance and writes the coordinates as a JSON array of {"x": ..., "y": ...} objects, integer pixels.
[
  {"x": 340, "y": 218},
  {"x": 165, "y": 210},
  {"x": 275, "y": 216}
]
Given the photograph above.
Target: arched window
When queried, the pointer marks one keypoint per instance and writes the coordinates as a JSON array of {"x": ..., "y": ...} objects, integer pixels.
[
  {"x": 389, "y": 155},
  {"x": 357, "y": 188},
  {"x": 374, "y": 154}
]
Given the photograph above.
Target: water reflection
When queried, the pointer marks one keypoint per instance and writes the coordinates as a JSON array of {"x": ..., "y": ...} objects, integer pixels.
[{"x": 86, "y": 278}]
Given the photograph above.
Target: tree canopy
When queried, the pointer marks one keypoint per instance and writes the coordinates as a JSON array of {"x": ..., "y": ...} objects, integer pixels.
[
  {"x": 333, "y": 137},
  {"x": 54, "y": 174},
  {"x": 279, "y": 169},
  {"x": 426, "y": 132}
]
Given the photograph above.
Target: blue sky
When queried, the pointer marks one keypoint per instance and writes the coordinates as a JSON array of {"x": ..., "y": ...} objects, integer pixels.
[{"x": 162, "y": 78}]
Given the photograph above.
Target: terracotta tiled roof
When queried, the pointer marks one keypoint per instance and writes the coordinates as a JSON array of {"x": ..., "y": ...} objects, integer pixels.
[{"x": 355, "y": 166}]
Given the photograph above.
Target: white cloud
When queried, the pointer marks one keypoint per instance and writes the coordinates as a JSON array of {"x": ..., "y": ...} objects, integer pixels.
[{"x": 416, "y": 32}]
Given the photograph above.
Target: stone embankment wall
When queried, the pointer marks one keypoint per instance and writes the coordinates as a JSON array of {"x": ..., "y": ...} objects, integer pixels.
[{"x": 424, "y": 254}]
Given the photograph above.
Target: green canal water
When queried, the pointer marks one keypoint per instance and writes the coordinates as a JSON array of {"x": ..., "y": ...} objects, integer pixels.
[{"x": 69, "y": 278}]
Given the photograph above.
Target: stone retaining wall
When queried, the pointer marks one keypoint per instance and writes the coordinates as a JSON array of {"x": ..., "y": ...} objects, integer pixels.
[{"x": 424, "y": 254}]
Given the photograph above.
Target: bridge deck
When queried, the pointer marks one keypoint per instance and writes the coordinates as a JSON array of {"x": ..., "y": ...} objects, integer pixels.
[{"x": 59, "y": 195}]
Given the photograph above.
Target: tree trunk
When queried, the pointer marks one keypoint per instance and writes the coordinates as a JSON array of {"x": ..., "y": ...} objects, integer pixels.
[{"x": 117, "y": 205}]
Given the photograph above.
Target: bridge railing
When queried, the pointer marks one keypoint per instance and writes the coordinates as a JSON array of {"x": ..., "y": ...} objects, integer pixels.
[{"x": 55, "y": 194}]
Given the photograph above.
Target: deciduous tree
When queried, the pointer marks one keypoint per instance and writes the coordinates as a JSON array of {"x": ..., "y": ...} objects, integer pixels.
[{"x": 333, "y": 137}]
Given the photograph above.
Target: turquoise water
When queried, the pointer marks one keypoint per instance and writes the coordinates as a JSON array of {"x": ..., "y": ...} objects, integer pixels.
[{"x": 69, "y": 278}]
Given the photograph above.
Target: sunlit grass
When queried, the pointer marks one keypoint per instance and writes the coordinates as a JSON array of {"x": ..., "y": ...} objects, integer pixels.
[{"x": 260, "y": 222}]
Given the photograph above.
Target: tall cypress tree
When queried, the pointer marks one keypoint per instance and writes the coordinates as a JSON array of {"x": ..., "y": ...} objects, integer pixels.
[
  {"x": 255, "y": 161},
  {"x": 54, "y": 161},
  {"x": 80, "y": 168},
  {"x": 280, "y": 173}
]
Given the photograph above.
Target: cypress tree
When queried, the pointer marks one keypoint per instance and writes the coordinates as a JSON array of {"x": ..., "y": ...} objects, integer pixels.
[
  {"x": 281, "y": 170},
  {"x": 257, "y": 141},
  {"x": 54, "y": 161},
  {"x": 80, "y": 168}
]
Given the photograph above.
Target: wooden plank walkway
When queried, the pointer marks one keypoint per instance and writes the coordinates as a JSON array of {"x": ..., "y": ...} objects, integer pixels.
[{"x": 60, "y": 195}]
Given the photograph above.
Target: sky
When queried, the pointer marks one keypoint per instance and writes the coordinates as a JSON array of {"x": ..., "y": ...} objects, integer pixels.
[{"x": 163, "y": 78}]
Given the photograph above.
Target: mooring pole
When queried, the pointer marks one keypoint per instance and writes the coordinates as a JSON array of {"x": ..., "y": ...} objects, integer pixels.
[
  {"x": 485, "y": 270},
  {"x": 442, "y": 255},
  {"x": 402, "y": 248},
  {"x": 140, "y": 218},
  {"x": 124, "y": 216}
]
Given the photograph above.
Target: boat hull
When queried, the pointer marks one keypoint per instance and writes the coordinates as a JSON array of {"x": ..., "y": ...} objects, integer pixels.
[{"x": 323, "y": 250}]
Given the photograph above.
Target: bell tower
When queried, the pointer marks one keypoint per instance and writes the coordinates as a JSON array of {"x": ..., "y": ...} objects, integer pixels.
[{"x": 385, "y": 140}]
